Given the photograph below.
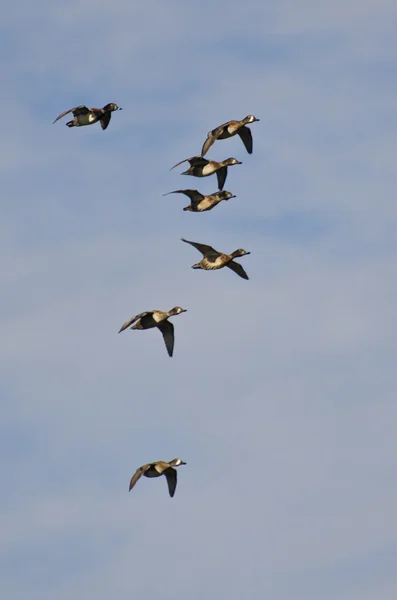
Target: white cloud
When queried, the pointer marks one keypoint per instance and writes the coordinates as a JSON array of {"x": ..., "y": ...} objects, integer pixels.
[{"x": 289, "y": 376}]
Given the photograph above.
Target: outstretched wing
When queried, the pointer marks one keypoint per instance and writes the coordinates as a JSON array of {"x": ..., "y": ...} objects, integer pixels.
[
  {"x": 106, "y": 119},
  {"x": 194, "y": 161},
  {"x": 203, "y": 248},
  {"x": 208, "y": 143},
  {"x": 221, "y": 175},
  {"x": 167, "y": 329},
  {"x": 246, "y": 137},
  {"x": 180, "y": 162},
  {"x": 171, "y": 476},
  {"x": 133, "y": 319},
  {"x": 77, "y": 110},
  {"x": 137, "y": 475},
  {"x": 212, "y": 137},
  {"x": 194, "y": 195},
  {"x": 237, "y": 268}
]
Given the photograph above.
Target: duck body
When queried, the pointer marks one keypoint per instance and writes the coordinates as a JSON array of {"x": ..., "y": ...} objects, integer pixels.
[
  {"x": 201, "y": 167},
  {"x": 156, "y": 469},
  {"x": 149, "y": 320},
  {"x": 201, "y": 203},
  {"x": 228, "y": 130},
  {"x": 83, "y": 116},
  {"x": 159, "y": 319},
  {"x": 213, "y": 260},
  {"x": 211, "y": 264}
]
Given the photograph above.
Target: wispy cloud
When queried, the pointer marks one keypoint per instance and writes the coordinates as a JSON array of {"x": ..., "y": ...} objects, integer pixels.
[{"x": 280, "y": 395}]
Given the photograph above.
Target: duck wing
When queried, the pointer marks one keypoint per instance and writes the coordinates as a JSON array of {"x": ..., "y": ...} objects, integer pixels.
[
  {"x": 137, "y": 475},
  {"x": 212, "y": 136},
  {"x": 246, "y": 137},
  {"x": 194, "y": 195},
  {"x": 237, "y": 268},
  {"x": 172, "y": 477},
  {"x": 221, "y": 175},
  {"x": 105, "y": 120},
  {"x": 133, "y": 319},
  {"x": 77, "y": 110},
  {"x": 203, "y": 248},
  {"x": 167, "y": 329},
  {"x": 194, "y": 161}
]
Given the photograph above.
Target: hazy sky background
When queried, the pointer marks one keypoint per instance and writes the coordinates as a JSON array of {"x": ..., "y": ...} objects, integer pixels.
[{"x": 281, "y": 392}]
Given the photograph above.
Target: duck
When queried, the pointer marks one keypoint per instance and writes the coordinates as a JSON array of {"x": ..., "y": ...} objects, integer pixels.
[
  {"x": 217, "y": 260},
  {"x": 158, "y": 468},
  {"x": 159, "y": 319},
  {"x": 201, "y": 167},
  {"x": 229, "y": 129},
  {"x": 201, "y": 203},
  {"x": 88, "y": 116}
]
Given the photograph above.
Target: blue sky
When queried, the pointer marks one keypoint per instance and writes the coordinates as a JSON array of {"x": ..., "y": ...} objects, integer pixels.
[{"x": 290, "y": 376}]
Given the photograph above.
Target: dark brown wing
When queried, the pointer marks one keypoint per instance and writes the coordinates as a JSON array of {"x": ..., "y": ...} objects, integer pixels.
[
  {"x": 221, "y": 175},
  {"x": 194, "y": 195},
  {"x": 106, "y": 119},
  {"x": 172, "y": 477},
  {"x": 194, "y": 161},
  {"x": 167, "y": 329},
  {"x": 203, "y": 248},
  {"x": 212, "y": 137},
  {"x": 138, "y": 474},
  {"x": 237, "y": 268},
  {"x": 133, "y": 319},
  {"x": 77, "y": 110},
  {"x": 208, "y": 143},
  {"x": 179, "y": 163},
  {"x": 246, "y": 137},
  {"x": 82, "y": 110},
  {"x": 198, "y": 161}
]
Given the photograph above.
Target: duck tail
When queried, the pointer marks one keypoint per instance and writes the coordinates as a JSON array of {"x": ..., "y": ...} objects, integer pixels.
[
  {"x": 196, "y": 266},
  {"x": 70, "y": 124},
  {"x": 188, "y": 207}
]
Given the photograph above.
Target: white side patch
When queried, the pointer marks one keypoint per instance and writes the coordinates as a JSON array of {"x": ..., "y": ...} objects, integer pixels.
[{"x": 208, "y": 170}]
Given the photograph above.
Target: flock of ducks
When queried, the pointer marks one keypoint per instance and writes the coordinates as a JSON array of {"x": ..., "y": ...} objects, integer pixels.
[{"x": 212, "y": 259}]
